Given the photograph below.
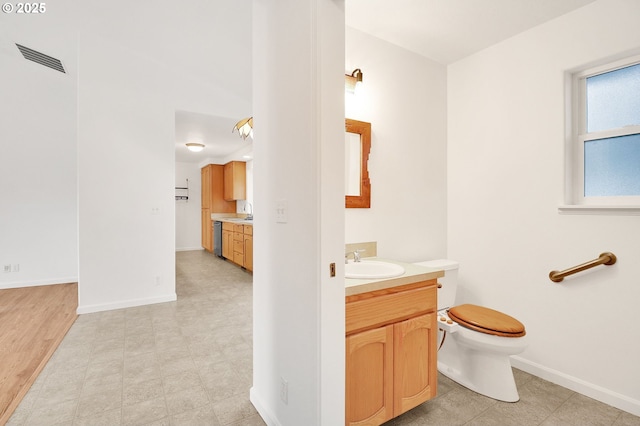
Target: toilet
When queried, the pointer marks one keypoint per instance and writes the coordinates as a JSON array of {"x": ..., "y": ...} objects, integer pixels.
[{"x": 478, "y": 341}]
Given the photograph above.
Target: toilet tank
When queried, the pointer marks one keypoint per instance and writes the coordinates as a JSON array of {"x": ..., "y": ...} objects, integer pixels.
[{"x": 447, "y": 293}]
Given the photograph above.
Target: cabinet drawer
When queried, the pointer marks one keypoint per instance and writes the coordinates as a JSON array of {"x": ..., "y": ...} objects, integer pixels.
[
  {"x": 238, "y": 258},
  {"x": 238, "y": 246},
  {"x": 238, "y": 228},
  {"x": 227, "y": 226},
  {"x": 385, "y": 309},
  {"x": 248, "y": 229},
  {"x": 237, "y": 236}
]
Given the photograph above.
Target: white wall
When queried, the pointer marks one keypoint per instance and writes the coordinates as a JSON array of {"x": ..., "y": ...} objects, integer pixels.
[
  {"x": 188, "y": 236},
  {"x": 505, "y": 172},
  {"x": 95, "y": 192},
  {"x": 128, "y": 94},
  {"x": 241, "y": 205},
  {"x": 298, "y": 312},
  {"x": 126, "y": 184},
  {"x": 38, "y": 211},
  {"x": 404, "y": 99}
]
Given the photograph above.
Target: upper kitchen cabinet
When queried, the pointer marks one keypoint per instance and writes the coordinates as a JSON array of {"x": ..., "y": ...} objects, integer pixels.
[
  {"x": 213, "y": 190},
  {"x": 235, "y": 181}
]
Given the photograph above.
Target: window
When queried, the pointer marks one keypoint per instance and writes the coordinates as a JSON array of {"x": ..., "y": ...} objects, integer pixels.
[{"x": 606, "y": 135}]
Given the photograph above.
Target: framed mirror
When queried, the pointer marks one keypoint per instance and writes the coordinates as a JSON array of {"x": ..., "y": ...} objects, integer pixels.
[{"x": 357, "y": 148}]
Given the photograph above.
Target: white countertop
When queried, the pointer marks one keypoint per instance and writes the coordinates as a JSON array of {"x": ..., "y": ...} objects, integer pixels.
[{"x": 412, "y": 274}]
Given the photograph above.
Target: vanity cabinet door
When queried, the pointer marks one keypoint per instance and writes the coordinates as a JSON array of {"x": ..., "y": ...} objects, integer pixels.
[
  {"x": 415, "y": 364},
  {"x": 369, "y": 378}
]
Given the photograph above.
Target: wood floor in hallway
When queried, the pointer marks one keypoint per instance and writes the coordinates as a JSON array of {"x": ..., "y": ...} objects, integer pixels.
[{"x": 33, "y": 322}]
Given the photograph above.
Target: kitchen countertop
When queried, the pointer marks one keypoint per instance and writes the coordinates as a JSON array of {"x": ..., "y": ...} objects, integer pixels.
[
  {"x": 238, "y": 220},
  {"x": 412, "y": 274}
]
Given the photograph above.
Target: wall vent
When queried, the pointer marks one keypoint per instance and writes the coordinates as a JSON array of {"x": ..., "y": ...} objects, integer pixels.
[{"x": 41, "y": 58}]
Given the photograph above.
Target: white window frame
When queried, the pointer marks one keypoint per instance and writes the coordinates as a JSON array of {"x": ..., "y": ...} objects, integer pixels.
[{"x": 577, "y": 136}]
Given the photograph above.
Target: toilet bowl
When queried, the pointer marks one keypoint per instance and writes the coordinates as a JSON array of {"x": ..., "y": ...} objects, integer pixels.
[{"x": 476, "y": 342}]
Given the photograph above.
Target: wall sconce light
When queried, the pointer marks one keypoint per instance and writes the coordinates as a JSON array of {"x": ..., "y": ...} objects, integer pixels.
[
  {"x": 244, "y": 127},
  {"x": 354, "y": 81},
  {"x": 195, "y": 147}
]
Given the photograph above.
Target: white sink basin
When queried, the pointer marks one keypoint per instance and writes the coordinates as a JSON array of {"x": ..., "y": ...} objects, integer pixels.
[{"x": 370, "y": 269}]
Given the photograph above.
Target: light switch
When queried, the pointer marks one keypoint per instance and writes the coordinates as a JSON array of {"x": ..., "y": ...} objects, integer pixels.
[{"x": 282, "y": 212}]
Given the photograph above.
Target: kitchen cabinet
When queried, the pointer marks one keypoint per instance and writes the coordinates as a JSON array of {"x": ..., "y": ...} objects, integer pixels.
[
  {"x": 235, "y": 180},
  {"x": 212, "y": 200},
  {"x": 391, "y": 363},
  {"x": 206, "y": 229},
  {"x": 205, "y": 186},
  {"x": 227, "y": 240},
  {"x": 248, "y": 247},
  {"x": 237, "y": 243},
  {"x": 213, "y": 190}
]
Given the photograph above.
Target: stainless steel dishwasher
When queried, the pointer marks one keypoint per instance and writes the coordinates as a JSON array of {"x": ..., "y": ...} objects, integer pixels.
[{"x": 217, "y": 238}]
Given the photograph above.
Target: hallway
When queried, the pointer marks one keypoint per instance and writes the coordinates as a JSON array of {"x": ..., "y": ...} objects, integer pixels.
[{"x": 187, "y": 362}]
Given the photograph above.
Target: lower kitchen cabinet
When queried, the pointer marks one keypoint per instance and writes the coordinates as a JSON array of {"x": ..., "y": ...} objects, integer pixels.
[
  {"x": 391, "y": 364},
  {"x": 227, "y": 240},
  {"x": 237, "y": 244},
  {"x": 248, "y": 247}
]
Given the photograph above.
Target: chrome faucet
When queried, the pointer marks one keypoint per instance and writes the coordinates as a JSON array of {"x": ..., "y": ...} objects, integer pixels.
[{"x": 356, "y": 255}]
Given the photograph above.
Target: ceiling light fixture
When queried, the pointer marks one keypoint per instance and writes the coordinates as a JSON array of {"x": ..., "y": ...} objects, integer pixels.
[
  {"x": 244, "y": 127},
  {"x": 195, "y": 147},
  {"x": 354, "y": 81}
]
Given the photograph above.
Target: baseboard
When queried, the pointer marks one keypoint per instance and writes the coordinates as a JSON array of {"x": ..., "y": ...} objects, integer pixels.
[
  {"x": 189, "y": 248},
  {"x": 265, "y": 413},
  {"x": 20, "y": 284},
  {"x": 591, "y": 390},
  {"x": 89, "y": 309}
]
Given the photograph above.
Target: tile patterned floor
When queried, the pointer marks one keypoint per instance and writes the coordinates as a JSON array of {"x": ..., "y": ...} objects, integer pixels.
[
  {"x": 182, "y": 363},
  {"x": 189, "y": 363}
]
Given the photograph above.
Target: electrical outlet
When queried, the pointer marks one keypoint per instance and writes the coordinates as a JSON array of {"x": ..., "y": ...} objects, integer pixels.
[
  {"x": 284, "y": 390},
  {"x": 7, "y": 268},
  {"x": 157, "y": 280},
  {"x": 15, "y": 267}
]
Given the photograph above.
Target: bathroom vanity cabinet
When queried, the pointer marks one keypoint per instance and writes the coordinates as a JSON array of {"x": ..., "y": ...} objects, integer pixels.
[{"x": 391, "y": 364}]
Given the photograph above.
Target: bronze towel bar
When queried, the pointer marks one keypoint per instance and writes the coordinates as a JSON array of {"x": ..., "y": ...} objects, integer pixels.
[{"x": 606, "y": 258}]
